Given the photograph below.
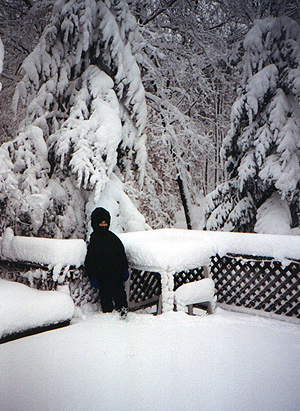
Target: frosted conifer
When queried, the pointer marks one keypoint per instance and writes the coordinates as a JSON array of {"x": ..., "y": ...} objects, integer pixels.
[
  {"x": 82, "y": 136},
  {"x": 261, "y": 150}
]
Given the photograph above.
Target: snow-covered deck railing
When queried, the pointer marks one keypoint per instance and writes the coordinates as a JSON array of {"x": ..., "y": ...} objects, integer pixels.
[
  {"x": 174, "y": 250},
  {"x": 46, "y": 264},
  {"x": 44, "y": 251},
  {"x": 251, "y": 270}
]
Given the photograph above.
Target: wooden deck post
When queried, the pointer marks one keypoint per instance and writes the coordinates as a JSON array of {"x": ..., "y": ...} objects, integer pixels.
[{"x": 167, "y": 291}]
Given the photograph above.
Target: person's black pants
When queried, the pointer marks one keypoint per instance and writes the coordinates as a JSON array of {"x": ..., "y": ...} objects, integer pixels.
[{"x": 113, "y": 296}]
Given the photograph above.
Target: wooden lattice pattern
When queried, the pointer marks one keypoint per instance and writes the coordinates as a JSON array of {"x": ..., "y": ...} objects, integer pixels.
[
  {"x": 258, "y": 283},
  {"x": 82, "y": 292},
  {"x": 34, "y": 276},
  {"x": 188, "y": 276},
  {"x": 144, "y": 288},
  {"x": 41, "y": 277}
]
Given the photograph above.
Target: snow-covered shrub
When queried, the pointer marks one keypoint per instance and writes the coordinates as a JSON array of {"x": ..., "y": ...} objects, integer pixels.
[{"x": 261, "y": 150}]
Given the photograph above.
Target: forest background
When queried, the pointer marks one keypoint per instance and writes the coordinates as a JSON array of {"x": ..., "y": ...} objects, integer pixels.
[{"x": 194, "y": 71}]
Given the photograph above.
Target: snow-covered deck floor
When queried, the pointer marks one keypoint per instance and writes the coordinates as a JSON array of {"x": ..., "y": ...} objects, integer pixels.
[{"x": 225, "y": 361}]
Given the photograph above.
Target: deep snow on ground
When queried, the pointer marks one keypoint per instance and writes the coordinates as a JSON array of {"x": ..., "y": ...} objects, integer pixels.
[{"x": 225, "y": 361}]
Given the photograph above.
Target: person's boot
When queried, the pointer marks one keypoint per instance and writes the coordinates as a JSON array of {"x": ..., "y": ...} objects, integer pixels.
[{"x": 123, "y": 313}]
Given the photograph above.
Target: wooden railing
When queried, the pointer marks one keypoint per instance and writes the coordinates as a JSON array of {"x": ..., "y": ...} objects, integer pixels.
[
  {"x": 258, "y": 283},
  {"x": 42, "y": 277},
  {"x": 144, "y": 289}
]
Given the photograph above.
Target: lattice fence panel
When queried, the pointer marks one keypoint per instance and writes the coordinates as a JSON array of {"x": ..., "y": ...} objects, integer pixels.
[
  {"x": 258, "y": 283},
  {"x": 144, "y": 288},
  {"x": 188, "y": 276},
  {"x": 42, "y": 278}
]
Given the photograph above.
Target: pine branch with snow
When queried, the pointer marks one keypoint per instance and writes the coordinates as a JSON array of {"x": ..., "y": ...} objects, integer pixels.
[
  {"x": 261, "y": 150},
  {"x": 86, "y": 113}
]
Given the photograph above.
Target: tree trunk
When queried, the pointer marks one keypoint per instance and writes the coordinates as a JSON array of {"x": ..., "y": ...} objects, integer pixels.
[
  {"x": 184, "y": 203},
  {"x": 205, "y": 186}
]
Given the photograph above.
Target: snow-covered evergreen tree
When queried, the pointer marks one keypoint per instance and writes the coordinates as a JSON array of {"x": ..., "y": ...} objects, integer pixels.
[
  {"x": 82, "y": 136},
  {"x": 261, "y": 150}
]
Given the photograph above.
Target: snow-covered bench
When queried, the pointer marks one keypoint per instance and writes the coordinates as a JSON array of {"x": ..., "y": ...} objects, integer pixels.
[
  {"x": 25, "y": 310},
  {"x": 56, "y": 253},
  {"x": 197, "y": 292}
]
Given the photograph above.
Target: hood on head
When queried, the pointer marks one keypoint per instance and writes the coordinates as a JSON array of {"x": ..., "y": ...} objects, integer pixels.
[{"x": 98, "y": 215}]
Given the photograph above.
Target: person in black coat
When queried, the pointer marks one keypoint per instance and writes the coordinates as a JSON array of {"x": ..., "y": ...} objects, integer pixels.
[{"x": 106, "y": 263}]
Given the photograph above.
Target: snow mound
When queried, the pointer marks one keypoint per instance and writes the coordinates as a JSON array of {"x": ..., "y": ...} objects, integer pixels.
[
  {"x": 43, "y": 250},
  {"x": 23, "y": 308}
]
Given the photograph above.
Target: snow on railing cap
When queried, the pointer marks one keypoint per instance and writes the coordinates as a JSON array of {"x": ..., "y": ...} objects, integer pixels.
[
  {"x": 39, "y": 250},
  {"x": 176, "y": 250},
  {"x": 167, "y": 250}
]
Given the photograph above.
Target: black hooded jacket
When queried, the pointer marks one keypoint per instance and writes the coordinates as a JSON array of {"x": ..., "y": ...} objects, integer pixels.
[{"x": 106, "y": 259}]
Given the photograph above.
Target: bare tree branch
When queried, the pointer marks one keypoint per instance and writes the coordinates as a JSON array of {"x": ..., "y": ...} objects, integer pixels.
[{"x": 158, "y": 12}]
